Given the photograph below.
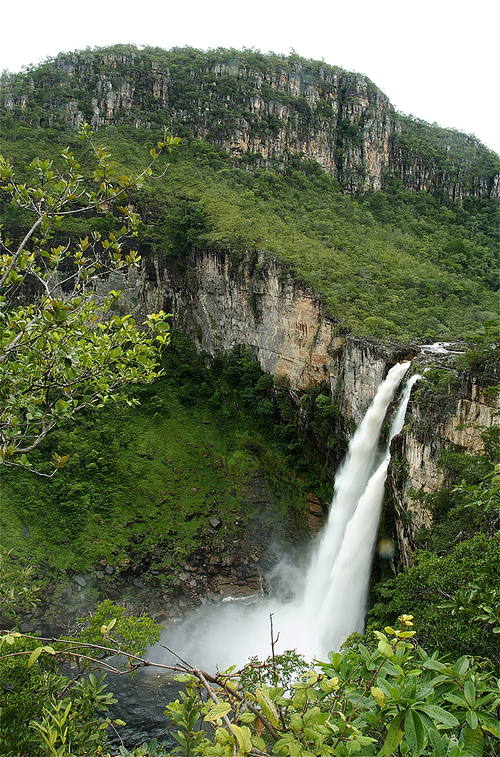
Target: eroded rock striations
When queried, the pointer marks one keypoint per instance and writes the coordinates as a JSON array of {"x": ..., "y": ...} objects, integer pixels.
[
  {"x": 223, "y": 302},
  {"x": 262, "y": 109},
  {"x": 265, "y": 111}
]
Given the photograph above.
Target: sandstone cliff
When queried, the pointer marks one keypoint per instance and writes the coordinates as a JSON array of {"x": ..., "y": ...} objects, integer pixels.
[
  {"x": 261, "y": 109},
  {"x": 222, "y": 302}
]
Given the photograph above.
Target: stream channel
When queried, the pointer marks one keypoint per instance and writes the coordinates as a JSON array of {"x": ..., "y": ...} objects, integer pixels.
[{"x": 142, "y": 698}]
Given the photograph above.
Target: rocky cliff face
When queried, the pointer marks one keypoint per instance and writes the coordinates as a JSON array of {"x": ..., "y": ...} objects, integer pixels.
[
  {"x": 451, "y": 420},
  {"x": 222, "y": 302},
  {"x": 261, "y": 109}
]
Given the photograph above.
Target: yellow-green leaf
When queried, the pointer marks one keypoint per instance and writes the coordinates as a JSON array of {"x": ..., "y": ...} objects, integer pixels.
[
  {"x": 385, "y": 648},
  {"x": 378, "y": 695},
  {"x": 394, "y": 736},
  {"x": 34, "y": 656},
  {"x": 217, "y": 712},
  {"x": 243, "y": 736},
  {"x": 267, "y": 706}
]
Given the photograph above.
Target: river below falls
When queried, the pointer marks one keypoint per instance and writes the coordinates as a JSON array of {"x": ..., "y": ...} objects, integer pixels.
[{"x": 142, "y": 698}]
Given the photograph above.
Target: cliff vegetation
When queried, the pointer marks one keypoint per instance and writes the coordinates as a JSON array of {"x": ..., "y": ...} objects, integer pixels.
[{"x": 391, "y": 264}]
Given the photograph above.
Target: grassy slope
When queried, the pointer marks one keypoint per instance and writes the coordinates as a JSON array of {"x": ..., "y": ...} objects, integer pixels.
[
  {"x": 142, "y": 476},
  {"x": 129, "y": 475}
]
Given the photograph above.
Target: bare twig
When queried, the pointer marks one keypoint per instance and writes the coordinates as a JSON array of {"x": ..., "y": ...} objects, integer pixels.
[{"x": 20, "y": 249}]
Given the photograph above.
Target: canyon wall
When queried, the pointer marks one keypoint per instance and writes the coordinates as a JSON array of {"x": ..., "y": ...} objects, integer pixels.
[
  {"x": 262, "y": 109},
  {"x": 223, "y": 301}
]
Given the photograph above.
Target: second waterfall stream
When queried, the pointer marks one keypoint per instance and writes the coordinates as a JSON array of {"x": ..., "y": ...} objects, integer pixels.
[{"x": 329, "y": 602}]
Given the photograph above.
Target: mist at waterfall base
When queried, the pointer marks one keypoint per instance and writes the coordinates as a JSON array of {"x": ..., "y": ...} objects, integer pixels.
[{"x": 324, "y": 601}]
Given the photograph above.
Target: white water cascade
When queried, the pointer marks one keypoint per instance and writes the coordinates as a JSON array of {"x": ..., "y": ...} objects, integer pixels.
[
  {"x": 350, "y": 483},
  {"x": 342, "y": 608},
  {"x": 331, "y": 603}
]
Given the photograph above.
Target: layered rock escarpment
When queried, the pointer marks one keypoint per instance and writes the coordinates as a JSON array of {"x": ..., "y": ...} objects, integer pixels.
[
  {"x": 261, "y": 109},
  {"x": 222, "y": 302},
  {"x": 450, "y": 420}
]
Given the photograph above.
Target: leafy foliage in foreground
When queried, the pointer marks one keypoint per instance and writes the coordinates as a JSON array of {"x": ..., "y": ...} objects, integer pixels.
[
  {"x": 48, "y": 711},
  {"x": 395, "y": 698},
  {"x": 61, "y": 348},
  {"x": 384, "y": 699}
]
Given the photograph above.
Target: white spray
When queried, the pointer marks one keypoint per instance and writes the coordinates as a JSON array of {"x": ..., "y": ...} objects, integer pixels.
[{"x": 331, "y": 603}]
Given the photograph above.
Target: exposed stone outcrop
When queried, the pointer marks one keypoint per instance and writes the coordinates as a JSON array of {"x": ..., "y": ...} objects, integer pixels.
[
  {"x": 261, "y": 109},
  {"x": 222, "y": 302},
  {"x": 454, "y": 421}
]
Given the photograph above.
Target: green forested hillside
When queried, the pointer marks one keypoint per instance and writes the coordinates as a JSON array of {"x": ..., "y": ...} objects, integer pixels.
[
  {"x": 391, "y": 264},
  {"x": 141, "y": 483}
]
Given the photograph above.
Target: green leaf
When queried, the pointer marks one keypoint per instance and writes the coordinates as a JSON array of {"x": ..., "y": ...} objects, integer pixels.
[
  {"x": 296, "y": 722},
  {"x": 9, "y": 637},
  {"x": 489, "y": 724},
  {"x": 259, "y": 743},
  {"x": 184, "y": 678},
  {"x": 454, "y": 699},
  {"x": 470, "y": 693},
  {"x": 243, "y": 737},
  {"x": 267, "y": 706},
  {"x": 61, "y": 406},
  {"x": 438, "y": 714},
  {"x": 471, "y": 719},
  {"x": 439, "y": 747},
  {"x": 34, "y": 656},
  {"x": 247, "y": 717},
  {"x": 217, "y": 712},
  {"x": 312, "y": 716},
  {"x": 474, "y": 741},
  {"x": 385, "y": 648},
  {"x": 394, "y": 736},
  {"x": 433, "y": 665},
  {"x": 414, "y": 732},
  {"x": 462, "y": 665},
  {"x": 378, "y": 695}
]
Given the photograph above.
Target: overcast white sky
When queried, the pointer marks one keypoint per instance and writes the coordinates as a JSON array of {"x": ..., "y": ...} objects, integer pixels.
[{"x": 437, "y": 59}]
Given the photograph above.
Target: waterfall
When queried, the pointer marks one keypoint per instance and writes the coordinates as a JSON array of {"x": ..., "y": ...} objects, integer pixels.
[
  {"x": 350, "y": 483},
  {"x": 331, "y": 603},
  {"x": 342, "y": 608}
]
